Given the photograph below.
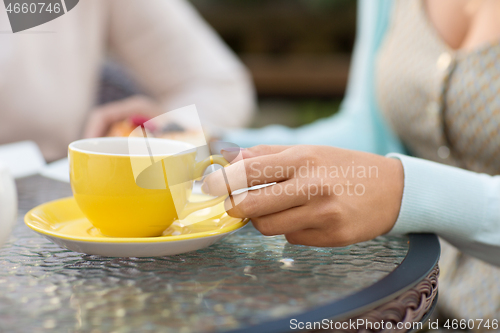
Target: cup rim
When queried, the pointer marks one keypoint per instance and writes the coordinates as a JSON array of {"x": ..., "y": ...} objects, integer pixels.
[{"x": 72, "y": 145}]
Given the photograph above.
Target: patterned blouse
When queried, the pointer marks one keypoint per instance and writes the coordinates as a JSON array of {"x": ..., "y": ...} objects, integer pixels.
[
  {"x": 444, "y": 104},
  {"x": 450, "y": 111}
]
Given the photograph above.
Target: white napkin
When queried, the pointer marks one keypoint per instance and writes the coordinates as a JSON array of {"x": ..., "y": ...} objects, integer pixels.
[
  {"x": 22, "y": 158},
  {"x": 58, "y": 170}
]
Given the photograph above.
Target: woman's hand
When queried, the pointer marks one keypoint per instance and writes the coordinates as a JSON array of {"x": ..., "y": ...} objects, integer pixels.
[
  {"x": 103, "y": 117},
  {"x": 323, "y": 196}
]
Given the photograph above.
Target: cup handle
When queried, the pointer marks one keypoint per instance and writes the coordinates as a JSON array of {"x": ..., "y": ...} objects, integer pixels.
[{"x": 198, "y": 173}]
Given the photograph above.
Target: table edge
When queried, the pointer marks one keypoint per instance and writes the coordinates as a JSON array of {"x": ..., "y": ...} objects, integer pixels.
[{"x": 423, "y": 254}]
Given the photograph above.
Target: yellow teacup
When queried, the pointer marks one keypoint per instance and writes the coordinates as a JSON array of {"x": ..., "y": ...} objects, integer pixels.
[{"x": 122, "y": 203}]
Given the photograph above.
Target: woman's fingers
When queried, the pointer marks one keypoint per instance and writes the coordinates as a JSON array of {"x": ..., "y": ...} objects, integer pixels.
[
  {"x": 267, "y": 200},
  {"x": 290, "y": 221},
  {"x": 249, "y": 172},
  {"x": 319, "y": 237},
  {"x": 234, "y": 154},
  {"x": 311, "y": 237},
  {"x": 104, "y": 116},
  {"x": 261, "y": 150}
]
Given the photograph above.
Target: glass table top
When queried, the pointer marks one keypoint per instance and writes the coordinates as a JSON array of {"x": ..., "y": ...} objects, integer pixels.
[{"x": 243, "y": 280}]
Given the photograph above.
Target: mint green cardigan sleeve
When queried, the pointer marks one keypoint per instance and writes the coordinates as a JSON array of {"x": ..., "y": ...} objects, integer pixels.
[
  {"x": 462, "y": 207},
  {"x": 358, "y": 125}
]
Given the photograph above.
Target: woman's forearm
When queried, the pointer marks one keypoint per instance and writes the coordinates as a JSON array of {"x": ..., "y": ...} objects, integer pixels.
[{"x": 461, "y": 206}]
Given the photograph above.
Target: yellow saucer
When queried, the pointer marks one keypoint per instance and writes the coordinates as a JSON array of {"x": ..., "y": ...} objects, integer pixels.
[{"x": 62, "y": 222}]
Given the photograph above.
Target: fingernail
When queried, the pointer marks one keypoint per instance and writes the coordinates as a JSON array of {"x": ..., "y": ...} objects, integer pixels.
[
  {"x": 230, "y": 153},
  {"x": 231, "y": 149},
  {"x": 204, "y": 188},
  {"x": 138, "y": 120}
]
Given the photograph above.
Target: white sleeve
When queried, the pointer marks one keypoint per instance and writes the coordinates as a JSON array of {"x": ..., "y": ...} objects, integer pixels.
[{"x": 181, "y": 61}]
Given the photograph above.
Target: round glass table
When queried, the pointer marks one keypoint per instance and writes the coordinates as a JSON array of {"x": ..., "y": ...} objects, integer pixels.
[{"x": 244, "y": 283}]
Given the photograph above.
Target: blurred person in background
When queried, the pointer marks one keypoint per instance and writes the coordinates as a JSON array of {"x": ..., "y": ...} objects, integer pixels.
[
  {"x": 425, "y": 81},
  {"x": 49, "y": 74}
]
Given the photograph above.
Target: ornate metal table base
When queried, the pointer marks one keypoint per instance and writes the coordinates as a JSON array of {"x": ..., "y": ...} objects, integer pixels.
[{"x": 410, "y": 307}]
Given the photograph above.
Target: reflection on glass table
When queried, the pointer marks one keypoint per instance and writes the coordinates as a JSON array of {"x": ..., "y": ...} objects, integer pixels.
[{"x": 246, "y": 279}]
